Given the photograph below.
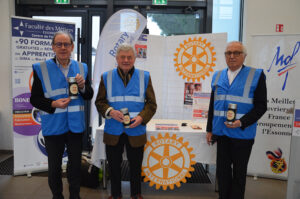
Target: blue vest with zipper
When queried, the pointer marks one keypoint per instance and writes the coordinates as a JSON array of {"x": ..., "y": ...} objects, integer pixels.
[
  {"x": 55, "y": 86},
  {"x": 240, "y": 92},
  {"x": 132, "y": 97}
]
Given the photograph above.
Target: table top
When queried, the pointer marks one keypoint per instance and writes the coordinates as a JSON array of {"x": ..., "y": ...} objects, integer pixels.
[{"x": 184, "y": 126}]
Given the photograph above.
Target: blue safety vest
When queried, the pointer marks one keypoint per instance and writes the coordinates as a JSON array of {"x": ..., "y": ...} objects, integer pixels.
[
  {"x": 240, "y": 92},
  {"x": 55, "y": 86},
  {"x": 132, "y": 97}
]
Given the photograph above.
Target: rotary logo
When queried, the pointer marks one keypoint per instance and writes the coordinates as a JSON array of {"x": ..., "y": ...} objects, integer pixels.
[
  {"x": 278, "y": 164},
  {"x": 168, "y": 161},
  {"x": 194, "y": 59}
]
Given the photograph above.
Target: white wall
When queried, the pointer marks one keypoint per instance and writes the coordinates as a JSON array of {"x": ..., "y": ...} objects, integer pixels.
[
  {"x": 261, "y": 17},
  {"x": 7, "y": 9}
]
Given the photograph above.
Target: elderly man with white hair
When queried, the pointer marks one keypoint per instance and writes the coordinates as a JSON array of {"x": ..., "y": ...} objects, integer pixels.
[
  {"x": 242, "y": 89},
  {"x": 122, "y": 89},
  {"x": 62, "y": 118}
]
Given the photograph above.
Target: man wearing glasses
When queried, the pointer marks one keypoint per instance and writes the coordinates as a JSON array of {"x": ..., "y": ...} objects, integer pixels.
[
  {"x": 245, "y": 87},
  {"x": 63, "y": 120}
]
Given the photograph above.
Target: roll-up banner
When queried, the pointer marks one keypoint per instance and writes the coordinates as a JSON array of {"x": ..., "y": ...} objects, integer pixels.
[
  {"x": 279, "y": 56},
  {"x": 31, "y": 43}
]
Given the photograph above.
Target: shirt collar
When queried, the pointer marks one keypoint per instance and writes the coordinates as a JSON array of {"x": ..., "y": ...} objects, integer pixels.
[
  {"x": 123, "y": 75},
  {"x": 126, "y": 77},
  {"x": 59, "y": 65},
  {"x": 64, "y": 70},
  {"x": 234, "y": 72}
]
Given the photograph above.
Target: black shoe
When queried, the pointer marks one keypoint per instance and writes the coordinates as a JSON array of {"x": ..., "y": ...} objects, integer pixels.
[
  {"x": 77, "y": 197},
  {"x": 111, "y": 197},
  {"x": 139, "y": 196}
]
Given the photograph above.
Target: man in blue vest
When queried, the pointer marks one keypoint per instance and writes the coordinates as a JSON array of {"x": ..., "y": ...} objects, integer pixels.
[
  {"x": 63, "y": 121},
  {"x": 131, "y": 88},
  {"x": 245, "y": 87}
]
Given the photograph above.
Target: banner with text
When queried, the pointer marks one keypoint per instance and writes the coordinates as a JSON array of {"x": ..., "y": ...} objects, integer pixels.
[
  {"x": 279, "y": 56},
  {"x": 31, "y": 43}
]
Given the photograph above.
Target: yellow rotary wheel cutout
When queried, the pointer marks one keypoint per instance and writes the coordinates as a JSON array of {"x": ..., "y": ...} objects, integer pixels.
[
  {"x": 167, "y": 161},
  {"x": 194, "y": 59}
]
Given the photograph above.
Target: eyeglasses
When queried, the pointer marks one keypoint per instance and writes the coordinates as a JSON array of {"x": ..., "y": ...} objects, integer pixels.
[
  {"x": 60, "y": 44},
  {"x": 234, "y": 53}
]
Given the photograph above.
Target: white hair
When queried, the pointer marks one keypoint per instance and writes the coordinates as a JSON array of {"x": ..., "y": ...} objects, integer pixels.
[
  {"x": 125, "y": 47},
  {"x": 61, "y": 32},
  {"x": 243, "y": 47}
]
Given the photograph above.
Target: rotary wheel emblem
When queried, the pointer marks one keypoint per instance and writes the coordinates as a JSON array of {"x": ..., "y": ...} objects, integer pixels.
[
  {"x": 168, "y": 161},
  {"x": 194, "y": 59}
]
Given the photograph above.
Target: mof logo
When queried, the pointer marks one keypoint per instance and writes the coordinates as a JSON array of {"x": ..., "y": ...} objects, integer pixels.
[
  {"x": 168, "y": 161},
  {"x": 278, "y": 164},
  {"x": 195, "y": 59}
]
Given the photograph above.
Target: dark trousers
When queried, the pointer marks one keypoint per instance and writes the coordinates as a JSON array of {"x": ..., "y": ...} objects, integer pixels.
[
  {"x": 55, "y": 147},
  {"x": 114, "y": 158},
  {"x": 232, "y": 162}
]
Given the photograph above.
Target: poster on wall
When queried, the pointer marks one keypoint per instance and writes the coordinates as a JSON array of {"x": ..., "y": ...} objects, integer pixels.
[
  {"x": 141, "y": 47},
  {"x": 190, "y": 89},
  {"x": 31, "y": 43},
  {"x": 200, "y": 105},
  {"x": 279, "y": 56}
]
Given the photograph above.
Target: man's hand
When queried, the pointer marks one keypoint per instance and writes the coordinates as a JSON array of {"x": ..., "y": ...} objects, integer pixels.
[
  {"x": 136, "y": 121},
  {"x": 61, "y": 103},
  {"x": 80, "y": 81},
  {"x": 117, "y": 115},
  {"x": 209, "y": 138},
  {"x": 235, "y": 124}
]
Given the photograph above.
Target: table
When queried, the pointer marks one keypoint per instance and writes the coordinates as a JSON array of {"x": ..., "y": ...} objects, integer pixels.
[{"x": 184, "y": 141}]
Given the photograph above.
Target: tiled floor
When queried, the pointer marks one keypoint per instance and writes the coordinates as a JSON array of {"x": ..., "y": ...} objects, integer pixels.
[
  {"x": 22, "y": 187},
  {"x": 35, "y": 187}
]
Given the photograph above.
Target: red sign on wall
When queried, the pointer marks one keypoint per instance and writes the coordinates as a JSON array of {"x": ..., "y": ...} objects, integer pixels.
[{"x": 279, "y": 27}]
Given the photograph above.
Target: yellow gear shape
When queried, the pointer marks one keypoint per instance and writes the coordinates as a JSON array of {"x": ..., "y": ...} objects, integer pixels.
[
  {"x": 194, "y": 59},
  {"x": 168, "y": 161}
]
